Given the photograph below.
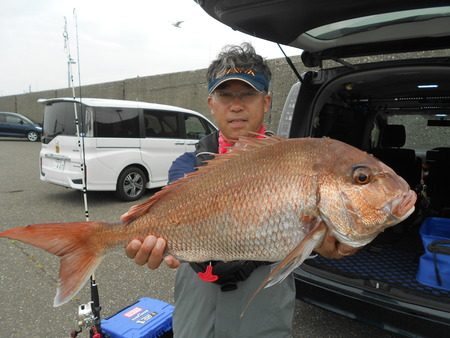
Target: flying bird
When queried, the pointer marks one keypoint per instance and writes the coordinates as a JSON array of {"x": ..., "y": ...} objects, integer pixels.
[{"x": 177, "y": 24}]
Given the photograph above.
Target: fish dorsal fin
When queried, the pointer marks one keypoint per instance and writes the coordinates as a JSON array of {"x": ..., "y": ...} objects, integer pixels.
[
  {"x": 293, "y": 259},
  {"x": 138, "y": 210},
  {"x": 244, "y": 144}
]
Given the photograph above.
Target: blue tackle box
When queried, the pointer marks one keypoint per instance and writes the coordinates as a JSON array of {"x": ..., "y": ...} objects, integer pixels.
[
  {"x": 149, "y": 318},
  {"x": 434, "y": 265}
]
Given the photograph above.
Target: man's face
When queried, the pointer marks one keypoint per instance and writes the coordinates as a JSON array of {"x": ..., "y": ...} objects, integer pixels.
[{"x": 238, "y": 108}]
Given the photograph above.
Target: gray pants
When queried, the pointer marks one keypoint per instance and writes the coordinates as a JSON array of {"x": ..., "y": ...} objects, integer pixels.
[{"x": 202, "y": 310}]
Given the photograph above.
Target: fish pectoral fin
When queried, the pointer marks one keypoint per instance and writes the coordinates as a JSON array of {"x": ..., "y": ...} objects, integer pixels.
[
  {"x": 296, "y": 257},
  {"x": 300, "y": 254}
]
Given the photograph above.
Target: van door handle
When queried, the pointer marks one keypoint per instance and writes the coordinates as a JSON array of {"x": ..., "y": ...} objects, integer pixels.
[{"x": 179, "y": 143}]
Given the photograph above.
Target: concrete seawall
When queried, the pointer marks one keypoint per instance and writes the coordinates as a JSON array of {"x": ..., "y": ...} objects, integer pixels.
[
  {"x": 184, "y": 89},
  {"x": 187, "y": 89}
]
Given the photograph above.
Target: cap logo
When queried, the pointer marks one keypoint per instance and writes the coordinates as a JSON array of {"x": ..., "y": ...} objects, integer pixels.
[{"x": 237, "y": 70}]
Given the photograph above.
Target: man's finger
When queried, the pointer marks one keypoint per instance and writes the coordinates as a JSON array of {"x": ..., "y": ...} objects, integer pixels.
[
  {"x": 172, "y": 262},
  {"x": 145, "y": 250},
  {"x": 156, "y": 257},
  {"x": 132, "y": 248}
]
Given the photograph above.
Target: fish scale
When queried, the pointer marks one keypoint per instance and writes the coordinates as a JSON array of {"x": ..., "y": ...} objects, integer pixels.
[{"x": 267, "y": 199}]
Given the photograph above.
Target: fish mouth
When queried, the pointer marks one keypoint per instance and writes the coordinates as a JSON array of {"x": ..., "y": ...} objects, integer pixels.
[
  {"x": 404, "y": 205},
  {"x": 399, "y": 209}
]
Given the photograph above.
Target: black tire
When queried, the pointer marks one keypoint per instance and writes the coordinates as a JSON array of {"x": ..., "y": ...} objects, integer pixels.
[
  {"x": 32, "y": 136},
  {"x": 131, "y": 184}
]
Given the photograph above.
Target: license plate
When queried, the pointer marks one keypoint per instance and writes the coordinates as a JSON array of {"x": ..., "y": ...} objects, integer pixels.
[{"x": 60, "y": 164}]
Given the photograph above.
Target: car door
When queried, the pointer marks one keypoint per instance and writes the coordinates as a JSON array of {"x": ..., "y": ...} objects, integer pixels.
[
  {"x": 3, "y": 127},
  {"x": 195, "y": 127},
  {"x": 14, "y": 126},
  {"x": 162, "y": 144},
  {"x": 327, "y": 30}
]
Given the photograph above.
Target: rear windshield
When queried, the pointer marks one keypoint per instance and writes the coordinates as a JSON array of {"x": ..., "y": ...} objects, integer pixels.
[
  {"x": 59, "y": 119},
  {"x": 424, "y": 132}
]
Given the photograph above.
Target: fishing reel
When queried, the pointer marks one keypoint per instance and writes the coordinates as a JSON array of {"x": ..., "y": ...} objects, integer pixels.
[
  {"x": 86, "y": 319},
  {"x": 86, "y": 316}
]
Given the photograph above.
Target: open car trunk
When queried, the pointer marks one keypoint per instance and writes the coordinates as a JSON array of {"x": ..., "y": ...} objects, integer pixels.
[
  {"x": 400, "y": 113},
  {"x": 398, "y": 110}
]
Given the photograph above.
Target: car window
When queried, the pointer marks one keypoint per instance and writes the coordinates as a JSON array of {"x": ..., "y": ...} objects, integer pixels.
[
  {"x": 116, "y": 122},
  {"x": 13, "y": 119},
  {"x": 163, "y": 124},
  {"x": 195, "y": 129},
  {"x": 420, "y": 134},
  {"x": 59, "y": 119}
]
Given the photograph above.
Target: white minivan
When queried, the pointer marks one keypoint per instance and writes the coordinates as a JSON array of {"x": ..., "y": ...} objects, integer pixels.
[{"x": 128, "y": 145}]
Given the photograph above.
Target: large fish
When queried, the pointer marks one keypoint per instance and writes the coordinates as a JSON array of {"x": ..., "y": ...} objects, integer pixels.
[{"x": 266, "y": 200}]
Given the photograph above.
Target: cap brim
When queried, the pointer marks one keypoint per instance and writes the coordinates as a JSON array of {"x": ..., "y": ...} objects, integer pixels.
[
  {"x": 258, "y": 82},
  {"x": 233, "y": 78}
]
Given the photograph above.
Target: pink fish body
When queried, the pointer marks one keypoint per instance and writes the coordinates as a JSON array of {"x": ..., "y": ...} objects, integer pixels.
[{"x": 267, "y": 200}]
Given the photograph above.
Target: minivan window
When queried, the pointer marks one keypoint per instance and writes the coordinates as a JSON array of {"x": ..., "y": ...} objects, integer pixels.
[
  {"x": 162, "y": 124},
  {"x": 116, "y": 122},
  {"x": 89, "y": 122},
  {"x": 59, "y": 120},
  {"x": 195, "y": 129}
]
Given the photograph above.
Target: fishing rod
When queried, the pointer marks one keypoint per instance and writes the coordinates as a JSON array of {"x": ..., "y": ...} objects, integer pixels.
[{"x": 88, "y": 314}]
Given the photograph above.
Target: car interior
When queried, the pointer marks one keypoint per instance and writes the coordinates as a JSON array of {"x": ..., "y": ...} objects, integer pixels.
[
  {"x": 401, "y": 115},
  {"x": 378, "y": 80}
]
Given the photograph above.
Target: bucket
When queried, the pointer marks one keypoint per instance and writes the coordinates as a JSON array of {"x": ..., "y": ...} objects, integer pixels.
[{"x": 434, "y": 265}]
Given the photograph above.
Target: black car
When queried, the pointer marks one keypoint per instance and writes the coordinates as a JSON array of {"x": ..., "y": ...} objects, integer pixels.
[
  {"x": 380, "y": 81},
  {"x": 17, "y": 125}
]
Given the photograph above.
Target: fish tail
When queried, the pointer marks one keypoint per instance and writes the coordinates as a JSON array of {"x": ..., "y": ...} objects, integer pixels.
[{"x": 75, "y": 243}]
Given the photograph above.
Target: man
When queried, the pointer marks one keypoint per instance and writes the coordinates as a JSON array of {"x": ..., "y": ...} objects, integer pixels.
[{"x": 238, "y": 86}]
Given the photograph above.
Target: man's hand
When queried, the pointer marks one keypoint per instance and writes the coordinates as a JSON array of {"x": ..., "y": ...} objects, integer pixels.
[
  {"x": 331, "y": 248},
  {"x": 150, "y": 251}
]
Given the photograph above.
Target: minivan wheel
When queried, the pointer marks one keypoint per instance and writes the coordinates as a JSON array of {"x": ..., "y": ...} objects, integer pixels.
[
  {"x": 32, "y": 136},
  {"x": 131, "y": 184}
]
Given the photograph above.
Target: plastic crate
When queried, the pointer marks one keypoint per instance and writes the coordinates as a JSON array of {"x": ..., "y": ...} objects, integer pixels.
[
  {"x": 434, "y": 265},
  {"x": 149, "y": 318}
]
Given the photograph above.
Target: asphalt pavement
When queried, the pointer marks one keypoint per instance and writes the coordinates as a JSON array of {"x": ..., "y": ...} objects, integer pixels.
[{"x": 28, "y": 275}]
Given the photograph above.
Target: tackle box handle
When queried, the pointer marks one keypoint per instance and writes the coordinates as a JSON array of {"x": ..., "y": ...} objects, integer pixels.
[{"x": 439, "y": 247}]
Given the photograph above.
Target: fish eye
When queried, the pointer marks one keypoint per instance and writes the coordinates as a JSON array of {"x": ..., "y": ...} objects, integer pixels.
[
  {"x": 361, "y": 175},
  {"x": 362, "y": 178}
]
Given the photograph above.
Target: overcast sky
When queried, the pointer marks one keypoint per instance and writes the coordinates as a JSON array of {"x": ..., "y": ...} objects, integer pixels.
[{"x": 117, "y": 40}]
